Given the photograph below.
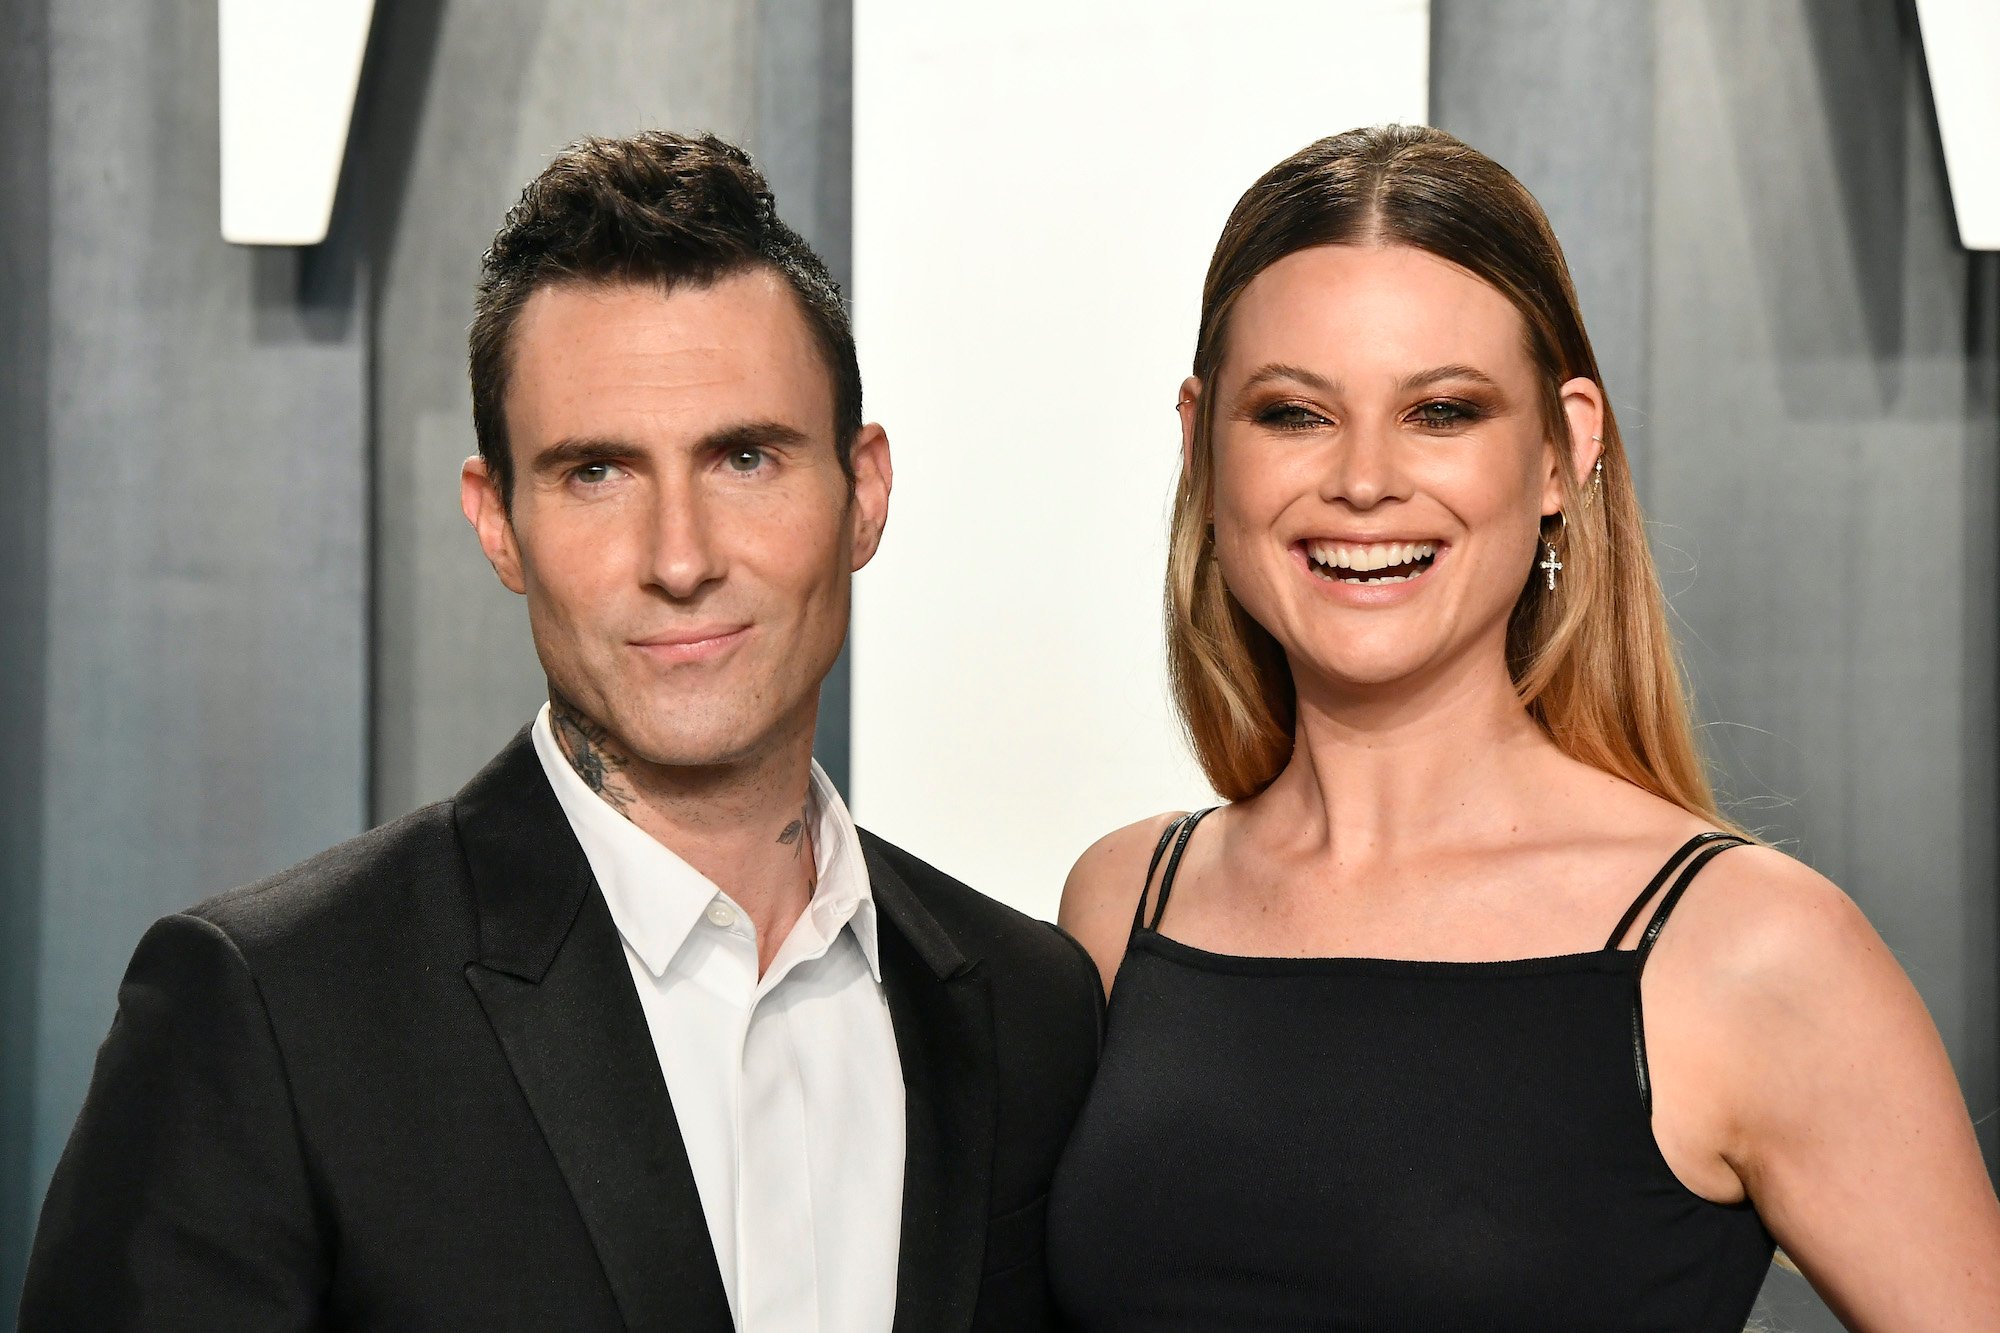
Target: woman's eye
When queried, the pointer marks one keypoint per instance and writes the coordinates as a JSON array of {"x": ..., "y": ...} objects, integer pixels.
[
  {"x": 745, "y": 460},
  {"x": 1441, "y": 414},
  {"x": 1289, "y": 416}
]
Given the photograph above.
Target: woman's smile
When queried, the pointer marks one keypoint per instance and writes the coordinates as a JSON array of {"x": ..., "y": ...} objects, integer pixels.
[
  {"x": 1373, "y": 575},
  {"x": 1370, "y": 562}
]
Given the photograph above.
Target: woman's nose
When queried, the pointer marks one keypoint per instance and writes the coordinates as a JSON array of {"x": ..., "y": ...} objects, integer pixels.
[{"x": 1364, "y": 468}]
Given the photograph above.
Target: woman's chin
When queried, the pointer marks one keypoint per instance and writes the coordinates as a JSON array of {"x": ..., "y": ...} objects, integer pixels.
[{"x": 1361, "y": 675}]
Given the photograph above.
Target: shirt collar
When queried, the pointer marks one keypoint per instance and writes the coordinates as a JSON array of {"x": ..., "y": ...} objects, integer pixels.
[{"x": 656, "y": 898}]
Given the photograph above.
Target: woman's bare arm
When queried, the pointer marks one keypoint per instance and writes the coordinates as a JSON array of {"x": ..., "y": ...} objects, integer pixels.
[{"x": 1836, "y": 1105}]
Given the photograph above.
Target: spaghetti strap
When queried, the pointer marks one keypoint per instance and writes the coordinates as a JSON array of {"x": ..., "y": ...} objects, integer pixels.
[
  {"x": 1715, "y": 848},
  {"x": 1139, "y": 912},
  {"x": 1173, "y": 865},
  {"x": 1698, "y": 841},
  {"x": 1710, "y": 845}
]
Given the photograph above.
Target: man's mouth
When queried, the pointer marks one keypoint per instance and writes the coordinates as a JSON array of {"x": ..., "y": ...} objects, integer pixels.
[
  {"x": 1369, "y": 562},
  {"x": 690, "y": 644}
]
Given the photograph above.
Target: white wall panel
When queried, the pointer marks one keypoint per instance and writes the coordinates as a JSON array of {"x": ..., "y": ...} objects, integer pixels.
[
  {"x": 289, "y": 70},
  {"x": 1962, "y": 50},
  {"x": 1037, "y": 188}
]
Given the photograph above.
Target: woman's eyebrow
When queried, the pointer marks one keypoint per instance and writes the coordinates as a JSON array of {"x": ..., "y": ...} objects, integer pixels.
[
  {"x": 1278, "y": 370},
  {"x": 1423, "y": 379}
]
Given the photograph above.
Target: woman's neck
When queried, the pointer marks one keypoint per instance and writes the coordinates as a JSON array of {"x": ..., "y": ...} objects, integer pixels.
[{"x": 1379, "y": 773}]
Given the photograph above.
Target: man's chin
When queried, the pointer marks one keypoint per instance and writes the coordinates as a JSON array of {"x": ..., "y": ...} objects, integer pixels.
[
  {"x": 694, "y": 759},
  {"x": 702, "y": 749},
  {"x": 696, "y": 730}
]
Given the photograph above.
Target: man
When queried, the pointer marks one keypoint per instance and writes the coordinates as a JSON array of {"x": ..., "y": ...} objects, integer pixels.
[{"x": 638, "y": 1031}]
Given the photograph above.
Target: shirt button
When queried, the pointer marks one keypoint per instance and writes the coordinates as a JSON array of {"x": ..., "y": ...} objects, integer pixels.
[{"x": 720, "y": 915}]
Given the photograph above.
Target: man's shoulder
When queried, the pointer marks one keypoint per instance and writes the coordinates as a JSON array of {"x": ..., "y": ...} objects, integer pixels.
[
  {"x": 982, "y": 925},
  {"x": 379, "y": 883},
  {"x": 1047, "y": 1009}
]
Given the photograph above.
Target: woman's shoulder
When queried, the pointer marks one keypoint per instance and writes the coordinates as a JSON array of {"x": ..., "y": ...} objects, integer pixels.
[
  {"x": 1759, "y": 920},
  {"x": 1752, "y": 915},
  {"x": 1102, "y": 891},
  {"x": 1754, "y": 925},
  {"x": 1784, "y": 976}
]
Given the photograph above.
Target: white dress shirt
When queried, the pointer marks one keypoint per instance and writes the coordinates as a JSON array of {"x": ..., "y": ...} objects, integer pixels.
[{"x": 788, "y": 1088}]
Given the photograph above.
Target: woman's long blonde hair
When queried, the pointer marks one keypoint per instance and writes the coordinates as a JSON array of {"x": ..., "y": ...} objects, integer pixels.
[{"x": 1593, "y": 662}]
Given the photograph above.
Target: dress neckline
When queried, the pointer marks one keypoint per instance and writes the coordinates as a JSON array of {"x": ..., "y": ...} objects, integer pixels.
[{"x": 1240, "y": 964}]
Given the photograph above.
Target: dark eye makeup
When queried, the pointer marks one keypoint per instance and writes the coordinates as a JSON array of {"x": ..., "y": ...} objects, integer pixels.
[
  {"x": 1288, "y": 416},
  {"x": 1435, "y": 414},
  {"x": 1445, "y": 413}
]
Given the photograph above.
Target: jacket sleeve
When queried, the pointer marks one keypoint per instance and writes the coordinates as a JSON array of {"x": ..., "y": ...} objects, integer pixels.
[
  {"x": 182, "y": 1200},
  {"x": 1090, "y": 984}
]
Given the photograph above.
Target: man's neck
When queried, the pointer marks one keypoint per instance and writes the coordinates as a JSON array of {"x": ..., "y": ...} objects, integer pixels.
[{"x": 745, "y": 826}]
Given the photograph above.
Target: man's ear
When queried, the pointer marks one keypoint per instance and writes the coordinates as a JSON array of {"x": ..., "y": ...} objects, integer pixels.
[
  {"x": 1188, "y": 405},
  {"x": 873, "y": 477},
  {"x": 486, "y": 510}
]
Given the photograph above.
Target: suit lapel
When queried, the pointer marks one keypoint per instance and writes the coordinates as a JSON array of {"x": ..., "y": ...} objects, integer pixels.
[
  {"x": 942, "y": 1012},
  {"x": 554, "y": 983}
]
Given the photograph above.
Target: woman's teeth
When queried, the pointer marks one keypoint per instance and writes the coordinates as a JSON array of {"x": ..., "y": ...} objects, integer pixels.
[{"x": 1378, "y": 562}]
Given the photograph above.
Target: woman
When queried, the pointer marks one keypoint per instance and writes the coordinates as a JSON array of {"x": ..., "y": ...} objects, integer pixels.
[{"x": 1377, "y": 1055}]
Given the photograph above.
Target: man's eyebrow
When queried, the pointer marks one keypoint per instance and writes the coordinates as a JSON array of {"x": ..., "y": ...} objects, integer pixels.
[
  {"x": 1423, "y": 379},
  {"x": 578, "y": 450},
  {"x": 750, "y": 433}
]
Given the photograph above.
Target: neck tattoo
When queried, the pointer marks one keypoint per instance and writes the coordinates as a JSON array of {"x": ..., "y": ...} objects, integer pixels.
[
  {"x": 590, "y": 752},
  {"x": 794, "y": 833}
]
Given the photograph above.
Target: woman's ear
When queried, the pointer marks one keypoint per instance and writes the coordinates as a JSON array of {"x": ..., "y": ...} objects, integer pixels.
[
  {"x": 1188, "y": 406},
  {"x": 1583, "y": 416}
]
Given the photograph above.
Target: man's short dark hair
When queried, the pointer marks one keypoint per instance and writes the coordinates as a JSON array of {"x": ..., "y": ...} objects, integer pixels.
[{"x": 658, "y": 207}]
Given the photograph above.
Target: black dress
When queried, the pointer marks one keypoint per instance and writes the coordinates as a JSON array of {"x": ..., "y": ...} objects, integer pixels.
[{"x": 1364, "y": 1143}]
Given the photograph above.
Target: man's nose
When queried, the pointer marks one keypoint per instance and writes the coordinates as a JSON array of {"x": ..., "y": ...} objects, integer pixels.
[{"x": 685, "y": 553}]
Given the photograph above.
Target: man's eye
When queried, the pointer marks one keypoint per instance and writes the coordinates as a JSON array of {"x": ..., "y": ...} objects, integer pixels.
[
  {"x": 595, "y": 474},
  {"x": 747, "y": 459}
]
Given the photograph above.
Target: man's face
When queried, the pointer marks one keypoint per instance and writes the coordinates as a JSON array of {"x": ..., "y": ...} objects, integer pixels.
[{"x": 680, "y": 524}]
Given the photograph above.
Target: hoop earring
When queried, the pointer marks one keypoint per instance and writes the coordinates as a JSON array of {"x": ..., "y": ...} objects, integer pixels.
[{"x": 1550, "y": 564}]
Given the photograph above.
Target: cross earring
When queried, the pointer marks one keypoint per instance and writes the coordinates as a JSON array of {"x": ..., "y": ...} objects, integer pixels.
[{"x": 1550, "y": 564}]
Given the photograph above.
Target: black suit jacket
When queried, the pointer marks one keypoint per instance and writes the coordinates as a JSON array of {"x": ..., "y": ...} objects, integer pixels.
[{"x": 408, "y": 1085}]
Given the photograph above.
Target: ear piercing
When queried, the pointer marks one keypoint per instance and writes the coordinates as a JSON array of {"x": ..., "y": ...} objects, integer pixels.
[{"x": 1550, "y": 564}]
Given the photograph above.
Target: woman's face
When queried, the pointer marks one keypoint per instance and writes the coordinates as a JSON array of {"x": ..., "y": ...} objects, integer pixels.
[{"x": 1381, "y": 462}]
